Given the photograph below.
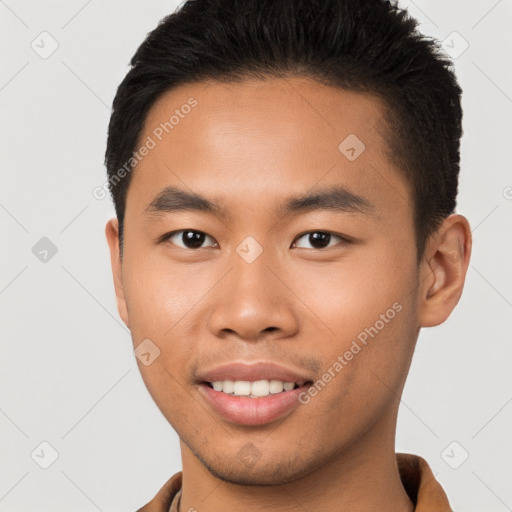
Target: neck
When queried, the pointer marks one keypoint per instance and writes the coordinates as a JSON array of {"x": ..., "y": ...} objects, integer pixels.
[{"x": 364, "y": 477}]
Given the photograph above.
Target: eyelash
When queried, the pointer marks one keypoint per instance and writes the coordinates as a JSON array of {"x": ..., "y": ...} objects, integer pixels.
[{"x": 343, "y": 239}]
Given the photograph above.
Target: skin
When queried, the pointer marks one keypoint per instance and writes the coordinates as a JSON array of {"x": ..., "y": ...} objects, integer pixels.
[{"x": 251, "y": 145}]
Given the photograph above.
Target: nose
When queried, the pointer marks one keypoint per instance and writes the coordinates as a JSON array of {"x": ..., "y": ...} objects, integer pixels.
[{"x": 253, "y": 301}]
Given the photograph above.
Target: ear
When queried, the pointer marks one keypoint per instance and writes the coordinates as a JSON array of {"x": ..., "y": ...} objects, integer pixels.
[
  {"x": 112, "y": 233},
  {"x": 443, "y": 270}
]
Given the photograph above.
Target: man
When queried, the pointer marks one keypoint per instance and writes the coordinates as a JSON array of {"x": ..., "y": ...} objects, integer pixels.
[{"x": 285, "y": 175}]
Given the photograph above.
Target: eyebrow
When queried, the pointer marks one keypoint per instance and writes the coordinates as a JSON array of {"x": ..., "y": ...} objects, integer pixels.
[{"x": 335, "y": 198}]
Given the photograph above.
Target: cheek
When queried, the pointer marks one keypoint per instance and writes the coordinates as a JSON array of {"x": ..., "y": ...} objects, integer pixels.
[
  {"x": 366, "y": 312},
  {"x": 346, "y": 297},
  {"x": 160, "y": 295},
  {"x": 163, "y": 302}
]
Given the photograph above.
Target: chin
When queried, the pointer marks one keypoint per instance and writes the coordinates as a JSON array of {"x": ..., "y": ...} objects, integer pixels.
[
  {"x": 261, "y": 476},
  {"x": 258, "y": 472}
]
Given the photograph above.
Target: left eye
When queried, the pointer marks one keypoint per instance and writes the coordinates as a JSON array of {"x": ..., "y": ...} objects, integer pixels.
[
  {"x": 321, "y": 239},
  {"x": 189, "y": 238}
]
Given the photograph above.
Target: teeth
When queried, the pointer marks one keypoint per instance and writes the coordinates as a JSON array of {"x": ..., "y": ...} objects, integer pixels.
[
  {"x": 242, "y": 388},
  {"x": 217, "y": 386},
  {"x": 258, "y": 388},
  {"x": 228, "y": 386},
  {"x": 288, "y": 386}
]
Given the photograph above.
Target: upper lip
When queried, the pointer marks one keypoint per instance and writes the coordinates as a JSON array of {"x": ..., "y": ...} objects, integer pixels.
[{"x": 252, "y": 372}]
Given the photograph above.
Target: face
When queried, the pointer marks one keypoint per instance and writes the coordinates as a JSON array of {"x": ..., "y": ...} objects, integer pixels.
[{"x": 301, "y": 253}]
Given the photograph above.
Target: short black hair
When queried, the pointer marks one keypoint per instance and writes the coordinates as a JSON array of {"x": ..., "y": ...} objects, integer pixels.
[{"x": 370, "y": 46}]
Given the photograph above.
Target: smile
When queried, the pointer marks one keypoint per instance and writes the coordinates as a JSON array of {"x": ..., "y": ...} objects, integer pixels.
[{"x": 255, "y": 389}]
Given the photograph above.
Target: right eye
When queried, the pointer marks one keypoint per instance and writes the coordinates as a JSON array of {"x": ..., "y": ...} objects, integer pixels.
[{"x": 187, "y": 238}]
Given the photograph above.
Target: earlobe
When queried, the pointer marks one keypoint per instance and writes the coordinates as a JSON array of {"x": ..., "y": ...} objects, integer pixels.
[
  {"x": 443, "y": 271},
  {"x": 112, "y": 234}
]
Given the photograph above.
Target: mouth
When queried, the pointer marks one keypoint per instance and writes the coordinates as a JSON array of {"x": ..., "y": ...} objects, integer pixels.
[
  {"x": 252, "y": 393},
  {"x": 253, "y": 403}
]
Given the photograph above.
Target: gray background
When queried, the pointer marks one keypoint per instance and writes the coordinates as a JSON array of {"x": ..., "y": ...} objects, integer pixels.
[{"x": 68, "y": 373}]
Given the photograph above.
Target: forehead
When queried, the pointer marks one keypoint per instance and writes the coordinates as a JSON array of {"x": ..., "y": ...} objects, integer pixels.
[{"x": 258, "y": 139}]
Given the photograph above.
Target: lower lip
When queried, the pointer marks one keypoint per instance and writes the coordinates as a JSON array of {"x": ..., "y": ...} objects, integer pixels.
[{"x": 244, "y": 410}]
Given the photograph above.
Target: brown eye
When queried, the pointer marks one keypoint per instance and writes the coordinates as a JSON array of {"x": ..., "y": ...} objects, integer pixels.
[
  {"x": 320, "y": 239},
  {"x": 187, "y": 238}
]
